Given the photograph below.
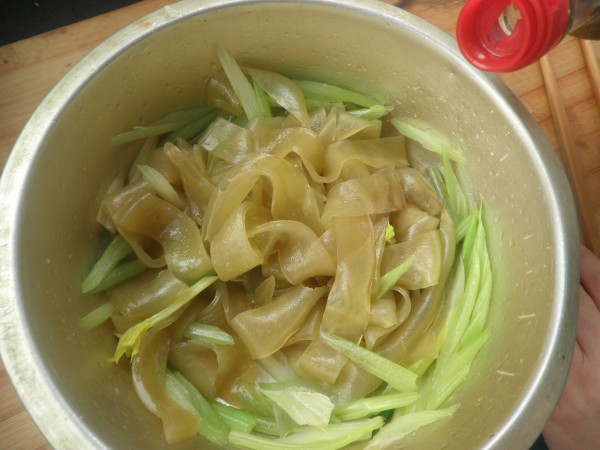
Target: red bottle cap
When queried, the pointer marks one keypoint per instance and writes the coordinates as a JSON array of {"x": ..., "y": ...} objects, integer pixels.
[{"x": 507, "y": 35}]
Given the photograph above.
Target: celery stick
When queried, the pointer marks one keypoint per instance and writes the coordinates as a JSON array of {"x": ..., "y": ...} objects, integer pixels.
[
  {"x": 266, "y": 426},
  {"x": 389, "y": 280},
  {"x": 118, "y": 249},
  {"x": 457, "y": 200},
  {"x": 193, "y": 129},
  {"x": 429, "y": 138},
  {"x": 460, "y": 314},
  {"x": 303, "y": 406},
  {"x": 234, "y": 418},
  {"x": 400, "y": 378},
  {"x": 332, "y": 437},
  {"x": 144, "y": 132},
  {"x": 327, "y": 92},
  {"x": 208, "y": 334},
  {"x": 97, "y": 316},
  {"x": 482, "y": 302},
  {"x": 251, "y": 104},
  {"x": 262, "y": 98},
  {"x": 129, "y": 342},
  {"x": 186, "y": 395},
  {"x": 372, "y": 113},
  {"x": 167, "y": 124},
  {"x": 453, "y": 372},
  {"x": 400, "y": 426},
  {"x": 364, "y": 407},
  {"x": 149, "y": 144},
  {"x": 120, "y": 274},
  {"x": 162, "y": 186}
]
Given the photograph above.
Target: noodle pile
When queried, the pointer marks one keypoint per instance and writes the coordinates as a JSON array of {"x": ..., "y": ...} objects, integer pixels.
[{"x": 262, "y": 235}]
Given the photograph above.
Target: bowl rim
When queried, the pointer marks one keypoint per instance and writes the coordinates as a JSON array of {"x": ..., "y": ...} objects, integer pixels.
[{"x": 24, "y": 367}]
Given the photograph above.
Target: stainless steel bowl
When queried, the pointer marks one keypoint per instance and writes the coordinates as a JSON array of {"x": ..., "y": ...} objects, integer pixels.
[{"x": 62, "y": 163}]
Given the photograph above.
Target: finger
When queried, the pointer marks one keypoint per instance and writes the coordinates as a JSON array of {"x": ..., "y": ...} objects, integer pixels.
[
  {"x": 590, "y": 274},
  {"x": 588, "y": 327}
]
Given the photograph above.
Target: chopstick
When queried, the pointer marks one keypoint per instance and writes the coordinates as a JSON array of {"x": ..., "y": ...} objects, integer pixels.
[
  {"x": 591, "y": 63},
  {"x": 589, "y": 228}
]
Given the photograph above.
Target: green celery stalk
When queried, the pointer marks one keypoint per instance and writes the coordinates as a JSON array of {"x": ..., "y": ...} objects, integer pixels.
[
  {"x": 161, "y": 185},
  {"x": 97, "y": 316},
  {"x": 368, "y": 406},
  {"x": 118, "y": 249},
  {"x": 304, "y": 407},
  {"x": 208, "y": 334},
  {"x": 234, "y": 418},
  {"x": 332, "y": 437},
  {"x": 428, "y": 137},
  {"x": 450, "y": 375},
  {"x": 400, "y": 378},
  {"x": 400, "y": 426},
  {"x": 149, "y": 144},
  {"x": 330, "y": 93},
  {"x": 129, "y": 342},
  {"x": 193, "y": 129},
  {"x": 169, "y": 123},
  {"x": 389, "y": 279},
  {"x": 251, "y": 103},
  {"x": 373, "y": 112},
  {"x": 484, "y": 294},
  {"x": 120, "y": 274},
  {"x": 267, "y": 426},
  {"x": 457, "y": 200},
  {"x": 187, "y": 396}
]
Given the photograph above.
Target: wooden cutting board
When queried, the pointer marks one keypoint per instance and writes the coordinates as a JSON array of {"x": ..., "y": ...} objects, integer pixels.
[{"x": 30, "y": 68}]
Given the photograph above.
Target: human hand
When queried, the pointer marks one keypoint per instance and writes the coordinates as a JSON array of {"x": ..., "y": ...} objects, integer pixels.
[{"x": 575, "y": 422}]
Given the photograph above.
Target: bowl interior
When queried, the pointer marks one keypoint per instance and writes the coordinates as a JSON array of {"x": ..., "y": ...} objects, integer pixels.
[{"x": 161, "y": 64}]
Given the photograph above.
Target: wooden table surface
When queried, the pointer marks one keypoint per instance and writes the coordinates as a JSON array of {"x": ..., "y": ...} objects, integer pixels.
[{"x": 30, "y": 68}]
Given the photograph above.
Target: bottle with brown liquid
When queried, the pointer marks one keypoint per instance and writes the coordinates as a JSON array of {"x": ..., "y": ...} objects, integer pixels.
[{"x": 507, "y": 35}]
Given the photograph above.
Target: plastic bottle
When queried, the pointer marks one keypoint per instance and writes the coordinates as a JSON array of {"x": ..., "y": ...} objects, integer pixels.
[{"x": 508, "y": 35}]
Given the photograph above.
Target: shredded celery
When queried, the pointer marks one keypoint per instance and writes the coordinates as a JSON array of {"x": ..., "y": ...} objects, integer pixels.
[
  {"x": 330, "y": 93},
  {"x": 304, "y": 407},
  {"x": 251, "y": 103},
  {"x": 129, "y": 342},
  {"x": 162, "y": 185},
  {"x": 234, "y": 418},
  {"x": 193, "y": 129},
  {"x": 372, "y": 113},
  {"x": 395, "y": 375},
  {"x": 359, "y": 409},
  {"x": 118, "y": 249},
  {"x": 428, "y": 137},
  {"x": 187, "y": 396},
  {"x": 123, "y": 272},
  {"x": 389, "y": 279},
  {"x": 401, "y": 425},
  {"x": 208, "y": 334},
  {"x": 331, "y": 437},
  {"x": 97, "y": 316}
]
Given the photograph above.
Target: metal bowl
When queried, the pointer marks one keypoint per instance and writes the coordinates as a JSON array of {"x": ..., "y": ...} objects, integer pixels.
[{"x": 62, "y": 163}]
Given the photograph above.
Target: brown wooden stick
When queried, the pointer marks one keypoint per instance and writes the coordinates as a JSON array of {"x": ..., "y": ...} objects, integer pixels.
[
  {"x": 591, "y": 63},
  {"x": 572, "y": 164}
]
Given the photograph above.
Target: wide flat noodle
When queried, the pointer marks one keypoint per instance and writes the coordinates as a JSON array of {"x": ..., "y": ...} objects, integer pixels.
[
  {"x": 139, "y": 211},
  {"x": 348, "y": 304},
  {"x": 378, "y": 193},
  {"x": 264, "y": 330},
  {"x": 148, "y": 370},
  {"x": 292, "y": 197}
]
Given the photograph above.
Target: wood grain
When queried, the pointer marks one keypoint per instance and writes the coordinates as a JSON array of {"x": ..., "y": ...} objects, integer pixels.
[{"x": 30, "y": 68}]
